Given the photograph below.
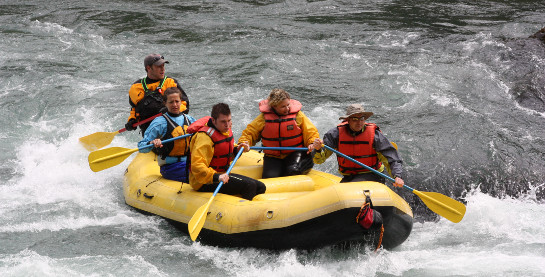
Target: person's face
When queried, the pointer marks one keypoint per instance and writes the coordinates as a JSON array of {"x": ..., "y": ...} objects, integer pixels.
[
  {"x": 356, "y": 123},
  {"x": 173, "y": 103},
  {"x": 156, "y": 72},
  {"x": 283, "y": 108},
  {"x": 223, "y": 123}
]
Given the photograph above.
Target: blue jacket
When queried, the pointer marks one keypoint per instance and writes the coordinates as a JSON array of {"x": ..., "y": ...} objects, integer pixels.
[{"x": 158, "y": 129}]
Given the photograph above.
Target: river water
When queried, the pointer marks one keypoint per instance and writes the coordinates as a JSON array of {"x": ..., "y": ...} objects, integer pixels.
[{"x": 458, "y": 85}]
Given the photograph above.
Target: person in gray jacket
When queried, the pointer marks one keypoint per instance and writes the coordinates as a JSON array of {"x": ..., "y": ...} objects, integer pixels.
[{"x": 363, "y": 142}]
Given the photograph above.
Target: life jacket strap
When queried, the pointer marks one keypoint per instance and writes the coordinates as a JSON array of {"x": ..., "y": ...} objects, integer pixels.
[
  {"x": 224, "y": 140},
  {"x": 353, "y": 142},
  {"x": 159, "y": 87},
  {"x": 283, "y": 138},
  {"x": 280, "y": 120},
  {"x": 364, "y": 156}
]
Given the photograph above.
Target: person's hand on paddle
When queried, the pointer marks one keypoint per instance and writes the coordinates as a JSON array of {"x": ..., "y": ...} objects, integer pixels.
[
  {"x": 130, "y": 123},
  {"x": 317, "y": 144},
  {"x": 157, "y": 143},
  {"x": 399, "y": 182},
  {"x": 310, "y": 148},
  {"x": 245, "y": 145},
  {"x": 224, "y": 178}
]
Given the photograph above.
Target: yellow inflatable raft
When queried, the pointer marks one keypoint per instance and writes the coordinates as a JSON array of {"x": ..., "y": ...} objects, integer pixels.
[{"x": 303, "y": 211}]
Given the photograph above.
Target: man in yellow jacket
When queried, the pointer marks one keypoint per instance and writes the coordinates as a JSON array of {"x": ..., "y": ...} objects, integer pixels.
[
  {"x": 212, "y": 150},
  {"x": 146, "y": 94},
  {"x": 282, "y": 124}
]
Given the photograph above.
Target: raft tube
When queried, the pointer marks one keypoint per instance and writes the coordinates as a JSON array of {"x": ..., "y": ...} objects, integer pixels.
[{"x": 303, "y": 211}]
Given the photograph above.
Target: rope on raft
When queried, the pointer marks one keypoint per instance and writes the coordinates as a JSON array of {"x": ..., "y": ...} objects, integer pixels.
[{"x": 380, "y": 238}]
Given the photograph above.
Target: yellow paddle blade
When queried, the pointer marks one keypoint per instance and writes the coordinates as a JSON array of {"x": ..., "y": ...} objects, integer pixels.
[
  {"x": 106, "y": 158},
  {"x": 443, "y": 205},
  {"x": 197, "y": 221},
  {"x": 394, "y": 144},
  {"x": 97, "y": 140}
]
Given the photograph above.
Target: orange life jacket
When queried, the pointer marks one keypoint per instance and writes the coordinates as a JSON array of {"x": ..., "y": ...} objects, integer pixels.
[
  {"x": 178, "y": 147},
  {"x": 280, "y": 131},
  {"x": 358, "y": 147},
  {"x": 223, "y": 146}
]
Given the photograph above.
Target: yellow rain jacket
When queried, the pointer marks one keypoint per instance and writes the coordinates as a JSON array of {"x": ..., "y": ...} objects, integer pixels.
[{"x": 252, "y": 133}]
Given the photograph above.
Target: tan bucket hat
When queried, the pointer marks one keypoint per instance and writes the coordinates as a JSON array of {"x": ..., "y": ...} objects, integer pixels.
[{"x": 357, "y": 111}]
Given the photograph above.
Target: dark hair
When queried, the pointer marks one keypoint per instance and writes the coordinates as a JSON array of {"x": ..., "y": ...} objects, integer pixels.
[
  {"x": 220, "y": 108},
  {"x": 171, "y": 90}
]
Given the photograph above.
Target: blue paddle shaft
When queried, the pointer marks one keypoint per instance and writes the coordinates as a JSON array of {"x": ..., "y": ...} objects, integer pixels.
[
  {"x": 279, "y": 148},
  {"x": 229, "y": 170},
  {"x": 365, "y": 166},
  {"x": 165, "y": 141}
]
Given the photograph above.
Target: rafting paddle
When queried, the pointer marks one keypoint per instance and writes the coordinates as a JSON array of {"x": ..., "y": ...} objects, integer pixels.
[
  {"x": 106, "y": 158},
  {"x": 438, "y": 203},
  {"x": 100, "y": 139},
  {"x": 279, "y": 148},
  {"x": 197, "y": 221}
]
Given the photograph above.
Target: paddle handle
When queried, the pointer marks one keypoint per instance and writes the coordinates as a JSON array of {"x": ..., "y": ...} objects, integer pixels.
[
  {"x": 229, "y": 169},
  {"x": 279, "y": 148},
  {"x": 363, "y": 165},
  {"x": 141, "y": 122}
]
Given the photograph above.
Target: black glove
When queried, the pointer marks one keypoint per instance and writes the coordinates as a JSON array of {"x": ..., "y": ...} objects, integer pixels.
[{"x": 129, "y": 124}]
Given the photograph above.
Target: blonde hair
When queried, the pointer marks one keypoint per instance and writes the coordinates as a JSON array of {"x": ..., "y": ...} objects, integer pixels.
[{"x": 276, "y": 96}]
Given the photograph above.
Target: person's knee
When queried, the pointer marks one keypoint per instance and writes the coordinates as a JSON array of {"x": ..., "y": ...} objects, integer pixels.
[
  {"x": 301, "y": 164},
  {"x": 260, "y": 187},
  {"x": 247, "y": 191},
  {"x": 253, "y": 188},
  {"x": 293, "y": 169}
]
